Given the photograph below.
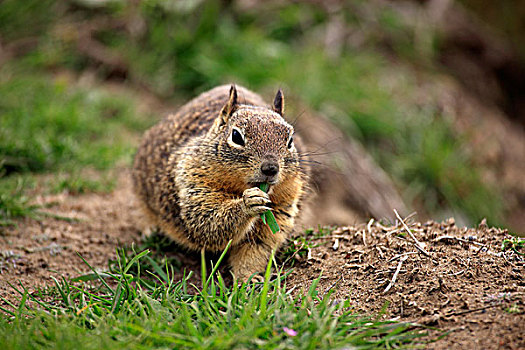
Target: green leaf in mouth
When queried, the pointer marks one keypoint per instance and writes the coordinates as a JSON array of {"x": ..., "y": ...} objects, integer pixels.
[{"x": 267, "y": 217}]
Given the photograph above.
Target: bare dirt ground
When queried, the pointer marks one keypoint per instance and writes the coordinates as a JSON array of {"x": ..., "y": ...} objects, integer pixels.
[{"x": 466, "y": 287}]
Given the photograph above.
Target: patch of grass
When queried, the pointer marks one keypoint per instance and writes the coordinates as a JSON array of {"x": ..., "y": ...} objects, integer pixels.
[
  {"x": 432, "y": 160},
  {"x": 78, "y": 184},
  {"x": 516, "y": 244},
  {"x": 14, "y": 203},
  {"x": 300, "y": 246},
  {"x": 15, "y": 15},
  {"x": 156, "y": 242},
  {"x": 138, "y": 309},
  {"x": 51, "y": 125},
  {"x": 513, "y": 309},
  {"x": 161, "y": 246}
]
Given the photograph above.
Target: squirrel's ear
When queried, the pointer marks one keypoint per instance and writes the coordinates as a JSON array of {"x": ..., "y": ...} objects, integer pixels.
[
  {"x": 278, "y": 102},
  {"x": 230, "y": 106}
]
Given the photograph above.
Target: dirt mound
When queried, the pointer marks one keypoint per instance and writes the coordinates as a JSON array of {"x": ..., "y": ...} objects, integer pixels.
[
  {"x": 459, "y": 280},
  {"x": 466, "y": 285}
]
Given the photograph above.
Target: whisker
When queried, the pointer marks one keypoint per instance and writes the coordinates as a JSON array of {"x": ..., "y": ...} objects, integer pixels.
[
  {"x": 310, "y": 154},
  {"x": 324, "y": 146},
  {"x": 299, "y": 115},
  {"x": 303, "y": 161}
]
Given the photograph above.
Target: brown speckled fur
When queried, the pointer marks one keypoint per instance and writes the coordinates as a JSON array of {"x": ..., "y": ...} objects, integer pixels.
[{"x": 190, "y": 180}]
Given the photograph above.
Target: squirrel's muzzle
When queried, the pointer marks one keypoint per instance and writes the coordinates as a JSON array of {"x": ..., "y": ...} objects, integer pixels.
[{"x": 270, "y": 170}]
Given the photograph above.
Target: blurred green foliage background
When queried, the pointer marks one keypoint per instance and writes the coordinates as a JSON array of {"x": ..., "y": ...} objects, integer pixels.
[{"x": 75, "y": 77}]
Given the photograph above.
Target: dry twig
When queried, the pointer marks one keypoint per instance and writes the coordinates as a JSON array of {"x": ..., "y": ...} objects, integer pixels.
[
  {"x": 401, "y": 255},
  {"x": 380, "y": 252},
  {"x": 394, "y": 278},
  {"x": 418, "y": 244},
  {"x": 369, "y": 227},
  {"x": 336, "y": 244},
  {"x": 456, "y": 273}
]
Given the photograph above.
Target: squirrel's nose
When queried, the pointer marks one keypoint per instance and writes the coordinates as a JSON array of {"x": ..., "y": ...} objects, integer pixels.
[{"x": 269, "y": 168}]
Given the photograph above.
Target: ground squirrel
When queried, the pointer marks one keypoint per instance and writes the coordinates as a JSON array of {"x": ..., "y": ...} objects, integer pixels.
[{"x": 197, "y": 175}]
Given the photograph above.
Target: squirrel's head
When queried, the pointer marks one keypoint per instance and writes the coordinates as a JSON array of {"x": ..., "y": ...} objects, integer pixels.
[{"x": 257, "y": 140}]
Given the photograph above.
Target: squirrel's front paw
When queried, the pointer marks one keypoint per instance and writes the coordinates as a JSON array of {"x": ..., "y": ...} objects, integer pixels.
[{"x": 255, "y": 201}]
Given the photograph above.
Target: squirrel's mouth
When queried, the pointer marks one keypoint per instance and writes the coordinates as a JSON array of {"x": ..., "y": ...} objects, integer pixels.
[{"x": 273, "y": 180}]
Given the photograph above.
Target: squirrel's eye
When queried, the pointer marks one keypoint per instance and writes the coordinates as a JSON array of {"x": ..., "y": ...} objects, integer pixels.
[
  {"x": 237, "y": 137},
  {"x": 290, "y": 142}
]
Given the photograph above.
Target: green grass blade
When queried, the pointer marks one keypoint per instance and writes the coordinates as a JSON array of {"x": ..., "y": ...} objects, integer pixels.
[
  {"x": 267, "y": 217},
  {"x": 20, "y": 310},
  {"x": 203, "y": 269},
  {"x": 97, "y": 274},
  {"x": 216, "y": 266},
  {"x": 266, "y": 286},
  {"x": 134, "y": 260},
  {"x": 271, "y": 222}
]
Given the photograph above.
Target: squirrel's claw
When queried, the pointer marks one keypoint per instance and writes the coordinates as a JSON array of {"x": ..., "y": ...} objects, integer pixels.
[{"x": 255, "y": 201}]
